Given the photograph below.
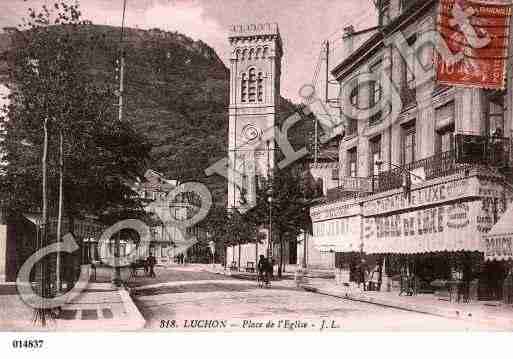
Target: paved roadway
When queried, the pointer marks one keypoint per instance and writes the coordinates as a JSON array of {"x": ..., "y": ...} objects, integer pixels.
[{"x": 219, "y": 302}]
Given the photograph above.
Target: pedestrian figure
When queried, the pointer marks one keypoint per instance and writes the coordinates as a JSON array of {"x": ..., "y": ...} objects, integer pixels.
[
  {"x": 145, "y": 264},
  {"x": 269, "y": 271},
  {"x": 362, "y": 273},
  {"x": 262, "y": 268},
  {"x": 151, "y": 262}
]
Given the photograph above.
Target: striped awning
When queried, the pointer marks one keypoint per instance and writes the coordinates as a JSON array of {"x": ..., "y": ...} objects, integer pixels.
[{"x": 443, "y": 228}]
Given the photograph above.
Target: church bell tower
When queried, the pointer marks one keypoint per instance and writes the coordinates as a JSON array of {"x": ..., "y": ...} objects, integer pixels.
[{"x": 255, "y": 71}]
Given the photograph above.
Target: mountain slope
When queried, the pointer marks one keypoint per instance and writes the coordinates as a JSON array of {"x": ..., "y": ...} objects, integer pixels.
[{"x": 176, "y": 96}]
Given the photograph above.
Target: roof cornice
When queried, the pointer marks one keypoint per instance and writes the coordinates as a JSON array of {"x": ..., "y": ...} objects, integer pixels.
[{"x": 375, "y": 42}]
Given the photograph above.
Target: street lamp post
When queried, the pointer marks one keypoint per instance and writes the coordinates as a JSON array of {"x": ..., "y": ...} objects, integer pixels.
[
  {"x": 116, "y": 275},
  {"x": 305, "y": 251},
  {"x": 212, "y": 247},
  {"x": 270, "y": 239}
]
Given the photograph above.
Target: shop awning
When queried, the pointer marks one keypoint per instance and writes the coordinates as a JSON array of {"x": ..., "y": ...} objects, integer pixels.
[
  {"x": 498, "y": 242},
  {"x": 442, "y": 228}
]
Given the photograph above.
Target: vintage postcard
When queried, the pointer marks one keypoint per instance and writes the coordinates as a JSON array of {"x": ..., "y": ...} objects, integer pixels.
[{"x": 229, "y": 166}]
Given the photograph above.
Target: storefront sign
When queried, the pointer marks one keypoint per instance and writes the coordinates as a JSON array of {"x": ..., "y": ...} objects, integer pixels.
[
  {"x": 478, "y": 31},
  {"x": 423, "y": 197},
  {"x": 497, "y": 242},
  {"x": 440, "y": 228},
  {"x": 331, "y": 211},
  {"x": 339, "y": 235},
  {"x": 499, "y": 247}
]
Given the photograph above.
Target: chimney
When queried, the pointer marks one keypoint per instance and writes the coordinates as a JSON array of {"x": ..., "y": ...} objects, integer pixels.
[{"x": 348, "y": 39}]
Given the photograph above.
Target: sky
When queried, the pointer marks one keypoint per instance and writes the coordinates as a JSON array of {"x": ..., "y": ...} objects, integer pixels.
[{"x": 304, "y": 24}]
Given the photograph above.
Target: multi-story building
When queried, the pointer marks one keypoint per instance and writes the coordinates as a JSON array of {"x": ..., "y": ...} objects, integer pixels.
[
  {"x": 323, "y": 172},
  {"x": 409, "y": 201},
  {"x": 167, "y": 241}
]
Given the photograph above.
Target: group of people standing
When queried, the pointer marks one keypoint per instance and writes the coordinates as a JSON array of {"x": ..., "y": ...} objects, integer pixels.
[
  {"x": 180, "y": 259},
  {"x": 147, "y": 264},
  {"x": 368, "y": 277}
]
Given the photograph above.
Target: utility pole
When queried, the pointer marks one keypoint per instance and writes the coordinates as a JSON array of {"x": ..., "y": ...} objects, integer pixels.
[
  {"x": 316, "y": 139},
  {"x": 41, "y": 314},
  {"x": 509, "y": 89},
  {"x": 327, "y": 71},
  {"x": 326, "y": 100},
  {"x": 61, "y": 202},
  {"x": 121, "y": 63},
  {"x": 269, "y": 200}
]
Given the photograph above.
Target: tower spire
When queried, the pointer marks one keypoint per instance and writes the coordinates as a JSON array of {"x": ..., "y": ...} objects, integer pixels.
[{"x": 255, "y": 72}]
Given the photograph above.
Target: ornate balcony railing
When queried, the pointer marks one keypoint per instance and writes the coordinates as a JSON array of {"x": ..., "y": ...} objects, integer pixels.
[
  {"x": 493, "y": 151},
  {"x": 439, "y": 165}
]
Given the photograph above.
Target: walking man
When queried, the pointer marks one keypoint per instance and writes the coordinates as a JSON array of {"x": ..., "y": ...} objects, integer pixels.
[
  {"x": 152, "y": 261},
  {"x": 262, "y": 269}
]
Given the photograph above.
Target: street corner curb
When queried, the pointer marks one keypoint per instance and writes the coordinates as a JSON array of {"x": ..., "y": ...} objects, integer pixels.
[{"x": 137, "y": 321}]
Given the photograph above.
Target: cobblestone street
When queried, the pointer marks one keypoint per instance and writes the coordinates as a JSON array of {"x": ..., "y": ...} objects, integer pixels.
[{"x": 193, "y": 299}]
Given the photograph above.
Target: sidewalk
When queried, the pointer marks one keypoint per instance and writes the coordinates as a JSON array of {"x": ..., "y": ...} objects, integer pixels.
[
  {"x": 101, "y": 307},
  {"x": 491, "y": 313}
]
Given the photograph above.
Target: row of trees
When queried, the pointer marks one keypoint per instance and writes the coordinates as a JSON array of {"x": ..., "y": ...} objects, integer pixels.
[
  {"x": 287, "y": 195},
  {"x": 57, "y": 109},
  {"x": 64, "y": 150}
]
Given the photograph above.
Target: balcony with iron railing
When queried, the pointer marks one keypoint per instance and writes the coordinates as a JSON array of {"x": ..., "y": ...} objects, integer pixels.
[
  {"x": 440, "y": 165},
  {"x": 493, "y": 152}
]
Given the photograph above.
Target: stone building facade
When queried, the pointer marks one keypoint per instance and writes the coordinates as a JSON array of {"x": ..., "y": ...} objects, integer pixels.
[{"x": 406, "y": 204}]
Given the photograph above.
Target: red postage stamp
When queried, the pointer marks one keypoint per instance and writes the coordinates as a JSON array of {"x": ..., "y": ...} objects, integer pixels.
[{"x": 479, "y": 31}]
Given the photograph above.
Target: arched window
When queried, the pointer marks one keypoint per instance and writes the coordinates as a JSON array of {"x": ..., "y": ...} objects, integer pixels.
[
  {"x": 266, "y": 51},
  {"x": 244, "y": 88},
  {"x": 251, "y": 54},
  {"x": 244, "y": 54},
  {"x": 258, "y": 53},
  {"x": 237, "y": 54},
  {"x": 252, "y": 86},
  {"x": 260, "y": 87}
]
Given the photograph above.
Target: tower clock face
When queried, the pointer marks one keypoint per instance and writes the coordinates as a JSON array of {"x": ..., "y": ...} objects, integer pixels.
[{"x": 251, "y": 133}]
